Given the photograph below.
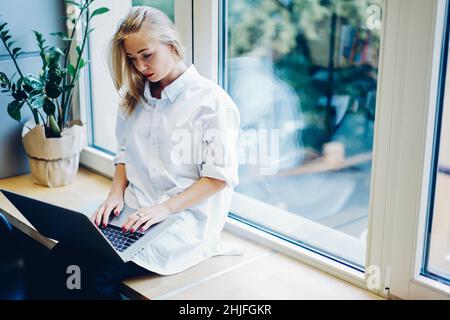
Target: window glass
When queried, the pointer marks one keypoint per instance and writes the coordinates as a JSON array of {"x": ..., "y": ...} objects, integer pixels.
[
  {"x": 303, "y": 74},
  {"x": 437, "y": 262}
]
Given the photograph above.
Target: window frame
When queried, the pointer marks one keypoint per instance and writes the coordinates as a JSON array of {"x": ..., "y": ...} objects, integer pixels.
[
  {"x": 417, "y": 98},
  {"x": 398, "y": 224}
]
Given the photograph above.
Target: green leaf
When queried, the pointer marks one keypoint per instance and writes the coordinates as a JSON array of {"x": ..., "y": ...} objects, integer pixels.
[
  {"x": 16, "y": 96},
  {"x": 4, "y": 78},
  {"x": 3, "y": 25},
  {"x": 22, "y": 95},
  {"x": 14, "y": 109},
  {"x": 62, "y": 35},
  {"x": 79, "y": 50},
  {"x": 99, "y": 11},
  {"x": 59, "y": 34},
  {"x": 58, "y": 50},
  {"x": 82, "y": 63},
  {"x": 71, "y": 70},
  {"x": 38, "y": 36},
  {"x": 6, "y": 38},
  {"x": 31, "y": 83},
  {"x": 53, "y": 91},
  {"x": 37, "y": 101},
  {"x": 49, "y": 107},
  {"x": 15, "y": 51},
  {"x": 35, "y": 92},
  {"x": 55, "y": 75},
  {"x": 53, "y": 56},
  {"x": 19, "y": 94}
]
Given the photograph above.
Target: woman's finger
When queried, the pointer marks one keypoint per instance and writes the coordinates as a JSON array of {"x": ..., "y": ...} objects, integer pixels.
[
  {"x": 118, "y": 209},
  {"x": 140, "y": 222},
  {"x": 98, "y": 217},
  {"x": 131, "y": 221},
  {"x": 147, "y": 225},
  {"x": 109, "y": 208}
]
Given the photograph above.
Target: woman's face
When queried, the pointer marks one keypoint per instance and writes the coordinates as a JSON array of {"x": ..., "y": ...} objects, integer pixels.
[{"x": 150, "y": 57}]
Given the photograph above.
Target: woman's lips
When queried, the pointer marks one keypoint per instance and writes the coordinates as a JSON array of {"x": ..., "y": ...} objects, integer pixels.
[{"x": 149, "y": 75}]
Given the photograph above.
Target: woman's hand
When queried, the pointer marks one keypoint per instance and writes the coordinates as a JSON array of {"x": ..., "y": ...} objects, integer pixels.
[
  {"x": 145, "y": 217},
  {"x": 114, "y": 202}
]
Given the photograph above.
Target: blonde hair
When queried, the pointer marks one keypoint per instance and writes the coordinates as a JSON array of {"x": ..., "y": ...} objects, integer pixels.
[{"x": 125, "y": 76}]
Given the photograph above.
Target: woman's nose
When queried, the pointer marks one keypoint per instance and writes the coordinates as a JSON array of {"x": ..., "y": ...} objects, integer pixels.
[{"x": 141, "y": 67}]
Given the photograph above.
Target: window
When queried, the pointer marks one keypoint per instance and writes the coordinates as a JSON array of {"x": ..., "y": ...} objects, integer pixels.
[
  {"x": 437, "y": 252},
  {"x": 166, "y": 6},
  {"x": 103, "y": 97},
  {"x": 304, "y": 77}
]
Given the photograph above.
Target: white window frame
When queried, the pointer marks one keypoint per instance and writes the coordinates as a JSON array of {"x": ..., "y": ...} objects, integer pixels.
[
  {"x": 414, "y": 97},
  {"x": 392, "y": 243}
]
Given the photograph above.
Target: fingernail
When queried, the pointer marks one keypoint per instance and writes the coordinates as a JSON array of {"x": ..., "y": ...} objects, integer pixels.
[
  {"x": 123, "y": 229},
  {"x": 132, "y": 230},
  {"x": 116, "y": 213}
]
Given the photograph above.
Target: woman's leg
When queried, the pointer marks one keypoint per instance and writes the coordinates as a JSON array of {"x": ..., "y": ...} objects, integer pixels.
[
  {"x": 106, "y": 277},
  {"x": 77, "y": 274}
]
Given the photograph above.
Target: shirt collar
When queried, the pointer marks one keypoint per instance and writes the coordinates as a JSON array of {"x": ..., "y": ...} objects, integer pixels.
[{"x": 173, "y": 90}]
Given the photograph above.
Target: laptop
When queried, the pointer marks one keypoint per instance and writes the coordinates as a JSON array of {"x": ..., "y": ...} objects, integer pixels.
[{"x": 77, "y": 229}]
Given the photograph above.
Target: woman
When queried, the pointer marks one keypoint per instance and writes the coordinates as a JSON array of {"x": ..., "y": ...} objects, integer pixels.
[{"x": 177, "y": 159}]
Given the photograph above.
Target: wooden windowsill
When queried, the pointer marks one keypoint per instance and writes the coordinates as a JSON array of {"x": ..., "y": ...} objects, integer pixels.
[{"x": 260, "y": 273}]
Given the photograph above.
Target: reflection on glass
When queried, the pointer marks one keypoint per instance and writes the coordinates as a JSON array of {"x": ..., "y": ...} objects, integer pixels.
[
  {"x": 438, "y": 255},
  {"x": 165, "y": 6},
  {"x": 304, "y": 76}
]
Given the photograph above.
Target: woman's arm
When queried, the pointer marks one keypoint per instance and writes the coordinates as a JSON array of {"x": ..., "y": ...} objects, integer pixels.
[
  {"x": 120, "y": 181},
  {"x": 196, "y": 193},
  {"x": 199, "y": 191}
]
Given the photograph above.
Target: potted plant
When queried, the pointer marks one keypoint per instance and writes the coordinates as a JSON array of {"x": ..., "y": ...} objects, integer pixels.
[{"x": 52, "y": 140}]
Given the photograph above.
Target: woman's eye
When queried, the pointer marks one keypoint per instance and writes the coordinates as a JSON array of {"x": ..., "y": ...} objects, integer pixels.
[{"x": 146, "y": 56}]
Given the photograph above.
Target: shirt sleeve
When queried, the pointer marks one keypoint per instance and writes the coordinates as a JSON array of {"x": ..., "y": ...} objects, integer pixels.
[
  {"x": 220, "y": 129},
  {"x": 120, "y": 137}
]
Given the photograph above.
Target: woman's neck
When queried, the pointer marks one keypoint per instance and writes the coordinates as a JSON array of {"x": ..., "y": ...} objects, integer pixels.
[{"x": 177, "y": 71}]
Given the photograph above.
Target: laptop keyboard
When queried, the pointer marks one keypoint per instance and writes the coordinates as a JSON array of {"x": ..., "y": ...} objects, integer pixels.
[{"x": 120, "y": 240}]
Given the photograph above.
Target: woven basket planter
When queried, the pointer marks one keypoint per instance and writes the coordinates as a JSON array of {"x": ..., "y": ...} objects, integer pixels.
[{"x": 54, "y": 161}]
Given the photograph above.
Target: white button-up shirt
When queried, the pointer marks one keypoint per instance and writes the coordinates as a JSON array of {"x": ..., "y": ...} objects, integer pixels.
[{"x": 167, "y": 145}]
